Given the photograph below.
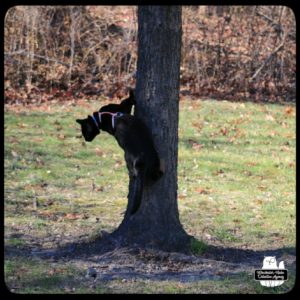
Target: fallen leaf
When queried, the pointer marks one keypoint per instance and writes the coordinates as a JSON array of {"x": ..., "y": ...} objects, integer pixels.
[
  {"x": 14, "y": 154},
  {"x": 289, "y": 110},
  {"x": 248, "y": 173},
  {"x": 195, "y": 145},
  {"x": 197, "y": 125},
  {"x": 208, "y": 236},
  {"x": 262, "y": 187},
  {"x": 219, "y": 172},
  {"x": 284, "y": 149},
  {"x": 49, "y": 203},
  {"x": 118, "y": 164},
  {"x": 56, "y": 271},
  {"x": 99, "y": 152},
  {"x": 224, "y": 130},
  {"x": 61, "y": 137},
  {"x": 292, "y": 165},
  {"x": 39, "y": 161},
  {"x": 72, "y": 216},
  {"x": 22, "y": 125},
  {"x": 38, "y": 139},
  {"x": 269, "y": 117},
  {"x": 232, "y": 139},
  {"x": 236, "y": 221},
  {"x": 69, "y": 289},
  {"x": 258, "y": 201},
  {"x": 203, "y": 191},
  {"x": 46, "y": 214},
  {"x": 251, "y": 164}
]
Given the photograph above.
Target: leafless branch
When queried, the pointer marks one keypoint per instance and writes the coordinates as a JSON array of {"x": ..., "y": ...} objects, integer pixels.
[
  {"x": 277, "y": 49},
  {"x": 26, "y": 53},
  {"x": 277, "y": 26}
]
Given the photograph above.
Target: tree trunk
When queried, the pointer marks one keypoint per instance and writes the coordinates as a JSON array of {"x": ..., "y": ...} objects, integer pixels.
[{"x": 156, "y": 223}]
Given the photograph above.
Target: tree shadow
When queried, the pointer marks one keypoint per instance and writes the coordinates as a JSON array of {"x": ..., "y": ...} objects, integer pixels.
[
  {"x": 110, "y": 261},
  {"x": 245, "y": 256},
  {"x": 105, "y": 244}
]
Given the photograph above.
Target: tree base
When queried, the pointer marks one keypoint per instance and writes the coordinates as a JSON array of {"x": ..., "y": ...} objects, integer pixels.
[{"x": 133, "y": 233}]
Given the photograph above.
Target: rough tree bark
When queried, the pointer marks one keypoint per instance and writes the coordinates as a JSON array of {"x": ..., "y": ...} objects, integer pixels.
[{"x": 156, "y": 223}]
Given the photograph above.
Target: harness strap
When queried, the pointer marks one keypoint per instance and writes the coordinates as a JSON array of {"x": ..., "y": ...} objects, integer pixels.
[
  {"x": 113, "y": 116},
  {"x": 95, "y": 121}
]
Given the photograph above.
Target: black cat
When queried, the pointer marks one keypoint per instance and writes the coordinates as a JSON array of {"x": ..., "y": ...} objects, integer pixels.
[
  {"x": 92, "y": 125},
  {"x": 133, "y": 137}
]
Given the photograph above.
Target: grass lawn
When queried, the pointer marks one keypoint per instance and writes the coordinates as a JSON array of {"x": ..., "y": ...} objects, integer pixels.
[{"x": 236, "y": 188}]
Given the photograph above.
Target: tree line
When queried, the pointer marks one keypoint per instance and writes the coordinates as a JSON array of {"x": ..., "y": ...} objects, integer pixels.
[{"x": 228, "y": 52}]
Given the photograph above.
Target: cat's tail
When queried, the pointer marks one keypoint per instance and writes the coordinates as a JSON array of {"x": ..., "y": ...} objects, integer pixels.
[
  {"x": 137, "y": 181},
  {"x": 126, "y": 105},
  {"x": 132, "y": 96},
  {"x": 138, "y": 186}
]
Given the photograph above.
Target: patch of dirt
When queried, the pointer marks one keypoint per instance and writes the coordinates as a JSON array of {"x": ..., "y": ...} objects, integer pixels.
[{"x": 103, "y": 260}]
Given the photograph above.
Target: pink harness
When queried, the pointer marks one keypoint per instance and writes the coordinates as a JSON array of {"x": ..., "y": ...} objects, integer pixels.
[{"x": 113, "y": 116}]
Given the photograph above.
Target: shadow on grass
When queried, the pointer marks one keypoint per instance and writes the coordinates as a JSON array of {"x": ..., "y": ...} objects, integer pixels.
[
  {"x": 110, "y": 262},
  {"x": 90, "y": 250}
]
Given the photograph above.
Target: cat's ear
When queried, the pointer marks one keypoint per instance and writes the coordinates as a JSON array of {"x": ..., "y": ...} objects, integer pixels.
[{"x": 79, "y": 121}]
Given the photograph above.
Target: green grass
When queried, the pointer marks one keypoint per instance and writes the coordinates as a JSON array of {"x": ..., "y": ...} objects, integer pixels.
[
  {"x": 198, "y": 247},
  {"x": 30, "y": 276},
  {"x": 239, "y": 179},
  {"x": 40, "y": 277},
  {"x": 236, "y": 183}
]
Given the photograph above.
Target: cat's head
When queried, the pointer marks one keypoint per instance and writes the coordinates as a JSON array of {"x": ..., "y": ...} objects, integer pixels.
[{"x": 88, "y": 128}]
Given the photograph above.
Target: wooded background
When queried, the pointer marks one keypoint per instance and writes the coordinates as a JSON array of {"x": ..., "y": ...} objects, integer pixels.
[{"x": 228, "y": 52}]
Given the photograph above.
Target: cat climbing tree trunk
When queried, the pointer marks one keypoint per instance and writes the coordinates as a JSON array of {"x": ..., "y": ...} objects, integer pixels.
[{"x": 156, "y": 223}]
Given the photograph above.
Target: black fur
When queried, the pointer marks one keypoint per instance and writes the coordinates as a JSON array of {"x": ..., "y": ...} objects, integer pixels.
[
  {"x": 125, "y": 106},
  {"x": 133, "y": 137},
  {"x": 88, "y": 126}
]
